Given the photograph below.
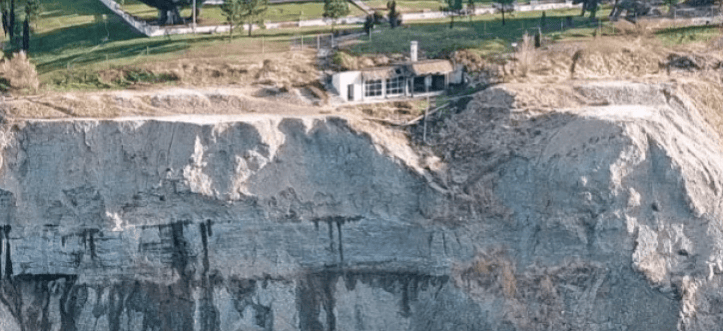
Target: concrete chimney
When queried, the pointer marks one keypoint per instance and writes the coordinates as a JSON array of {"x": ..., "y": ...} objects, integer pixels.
[{"x": 413, "y": 53}]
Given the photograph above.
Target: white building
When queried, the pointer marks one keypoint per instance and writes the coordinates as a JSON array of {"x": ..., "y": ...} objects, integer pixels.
[{"x": 411, "y": 79}]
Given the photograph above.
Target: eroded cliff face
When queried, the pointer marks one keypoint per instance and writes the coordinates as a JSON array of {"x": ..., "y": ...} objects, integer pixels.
[{"x": 601, "y": 218}]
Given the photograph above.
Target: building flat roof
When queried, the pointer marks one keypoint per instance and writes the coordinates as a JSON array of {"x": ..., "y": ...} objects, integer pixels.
[{"x": 419, "y": 68}]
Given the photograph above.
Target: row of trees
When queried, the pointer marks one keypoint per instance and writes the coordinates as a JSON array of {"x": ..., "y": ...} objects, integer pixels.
[
  {"x": 250, "y": 12},
  {"x": 455, "y": 8},
  {"x": 9, "y": 10}
]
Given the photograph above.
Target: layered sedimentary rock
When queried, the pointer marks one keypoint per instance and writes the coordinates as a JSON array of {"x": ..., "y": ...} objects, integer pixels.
[{"x": 601, "y": 218}]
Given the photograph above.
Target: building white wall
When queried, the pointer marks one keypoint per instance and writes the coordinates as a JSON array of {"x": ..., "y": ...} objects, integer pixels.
[
  {"x": 457, "y": 76},
  {"x": 342, "y": 79}
]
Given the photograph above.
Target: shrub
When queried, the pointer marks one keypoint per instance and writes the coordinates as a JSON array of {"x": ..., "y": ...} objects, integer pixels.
[
  {"x": 19, "y": 73},
  {"x": 525, "y": 55}
]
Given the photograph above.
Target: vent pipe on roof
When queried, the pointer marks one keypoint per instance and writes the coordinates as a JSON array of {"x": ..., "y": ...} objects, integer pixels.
[{"x": 414, "y": 51}]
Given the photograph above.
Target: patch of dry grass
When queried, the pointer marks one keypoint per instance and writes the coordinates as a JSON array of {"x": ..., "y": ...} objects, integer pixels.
[
  {"x": 525, "y": 55},
  {"x": 20, "y": 73}
]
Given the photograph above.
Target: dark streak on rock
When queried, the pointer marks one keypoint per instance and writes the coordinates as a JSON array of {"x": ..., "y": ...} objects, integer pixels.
[
  {"x": 208, "y": 226},
  {"x": 8, "y": 259},
  {"x": 1, "y": 258},
  {"x": 210, "y": 319},
  {"x": 316, "y": 291},
  {"x": 341, "y": 250}
]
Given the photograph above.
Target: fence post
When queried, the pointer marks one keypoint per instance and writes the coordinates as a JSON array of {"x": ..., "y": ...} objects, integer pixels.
[
  {"x": 302, "y": 41},
  {"x": 263, "y": 44},
  {"x": 318, "y": 42},
  {"x": 426, "y": 110}
]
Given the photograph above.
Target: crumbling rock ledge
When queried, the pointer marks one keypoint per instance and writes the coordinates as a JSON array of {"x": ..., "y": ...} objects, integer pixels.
[{"x": 597, "y": 217}]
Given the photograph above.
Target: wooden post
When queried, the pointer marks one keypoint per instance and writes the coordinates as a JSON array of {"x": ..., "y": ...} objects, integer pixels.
[
  {"x": 194, "y": 16},
  {"x": 263, "y": 38},
  {"x": 302, "y": 41},
  {"x": 318, "y": 42},
  {"x": 426, "y": 110}
]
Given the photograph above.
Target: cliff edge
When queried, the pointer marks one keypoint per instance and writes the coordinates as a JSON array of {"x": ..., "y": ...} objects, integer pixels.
[{"x": 599, "y": 212}]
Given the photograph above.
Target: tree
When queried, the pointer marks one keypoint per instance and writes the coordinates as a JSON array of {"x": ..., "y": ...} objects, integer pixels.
[
  {"x": 334, "y": 9},
  {"x": 5, "y": 10},
  {"x": 11, "y": 21},
  {"x": 453, "y": 8},
  {"x": 32, "y": 11},
  {"x": 471, "y": 7},
  {"x": 394, "y": 15},
  {"x": 504, "y": 6},
  {"x": 369, "y": 25},
  {"x": 588, "y": 5},
  {"x": 233, "y": 11},
  {"x": 169, "y": 12},
  {"x": 670, "y": 4},
  {"x": 254, "y": 12}
]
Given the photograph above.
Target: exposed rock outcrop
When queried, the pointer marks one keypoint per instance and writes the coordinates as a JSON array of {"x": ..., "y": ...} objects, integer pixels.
[{"x": 601, "y": 217}]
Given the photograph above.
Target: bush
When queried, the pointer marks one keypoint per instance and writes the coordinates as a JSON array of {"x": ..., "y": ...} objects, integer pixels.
[
  {"x": 19, "y": 73},
  {"x": 525, "y": 55}
]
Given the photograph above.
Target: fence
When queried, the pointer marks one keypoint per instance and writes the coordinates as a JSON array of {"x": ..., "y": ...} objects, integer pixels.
[{"x": 155, "y": 31}]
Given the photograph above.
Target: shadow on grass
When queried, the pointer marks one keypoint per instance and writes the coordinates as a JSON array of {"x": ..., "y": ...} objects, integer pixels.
[
  {"x": 61, "y": 8},
  {"x": 113, "y": 53}
]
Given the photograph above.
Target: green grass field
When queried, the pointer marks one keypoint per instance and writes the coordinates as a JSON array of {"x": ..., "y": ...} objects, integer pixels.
[
  {"x": 212, "y": 15},
  {"x": 683, "y": 35},
  {"x": 73, "y": 33},
  {"x": 485, "y": 33},
  {"x": 411, "y": 6}
]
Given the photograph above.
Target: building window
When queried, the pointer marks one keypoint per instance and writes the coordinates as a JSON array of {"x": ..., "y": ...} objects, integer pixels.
[
  {"x": 373, "y": 88},
  {"x": 395, "y": 86}
]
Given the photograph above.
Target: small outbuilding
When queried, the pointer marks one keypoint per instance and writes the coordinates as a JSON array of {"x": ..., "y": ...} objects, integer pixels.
[{"x": 410, "y": 79}]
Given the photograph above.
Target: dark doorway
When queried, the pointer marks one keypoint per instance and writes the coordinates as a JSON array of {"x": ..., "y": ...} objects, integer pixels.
[
  {"x": 350, "y": 92},
  {"x": 438, "y": 83},
  {"x": 419, "y": 85}
]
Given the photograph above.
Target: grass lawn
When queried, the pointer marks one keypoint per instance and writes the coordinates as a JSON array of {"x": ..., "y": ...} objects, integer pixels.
[
  {"x": 683, "y": 35},
  {"x": 211, "y": 15},
  {"x": 73, "y": 34},
  {"x": 413, "y": 6},
  {"x": 485, "y": 33}
]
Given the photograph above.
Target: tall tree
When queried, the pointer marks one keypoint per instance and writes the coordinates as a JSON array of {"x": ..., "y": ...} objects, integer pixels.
[
  {"x": 369, "y": 25},
  {"x": 335, "y": 9},
  {"x": 471, "y": 7},
  {"x": 394, "y": 15},
  {"x": 32, "y": 11},
  {"x": 233, "y": 11},
  {"x": 11, "y": 21},
  {"x": 504, "y": 6},
  {"x": 588, "y": 6},
  {"x": 453, "y": 8},
  {"x": 254, "y": 12},
  {"x": 5, "y": 10},
  {"x": 670, "y": 4}
]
